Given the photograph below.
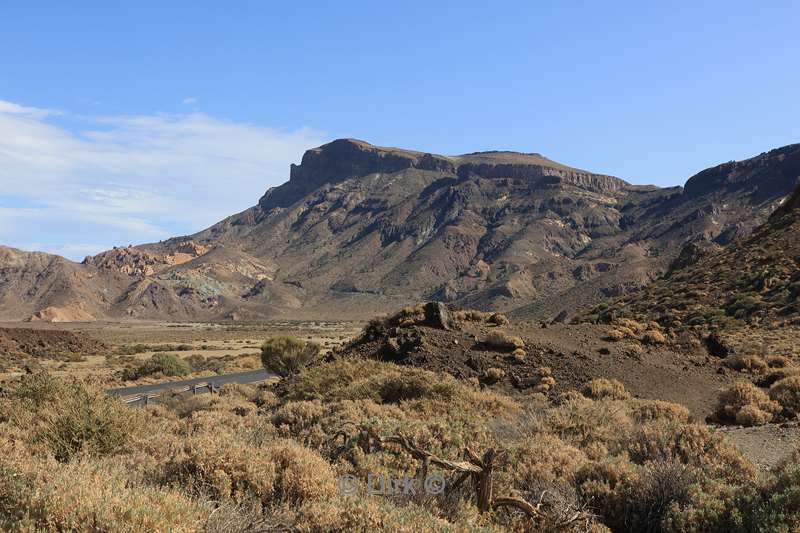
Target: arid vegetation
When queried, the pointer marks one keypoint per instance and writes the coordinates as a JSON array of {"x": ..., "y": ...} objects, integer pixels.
[{"x": 269, "y": 457}]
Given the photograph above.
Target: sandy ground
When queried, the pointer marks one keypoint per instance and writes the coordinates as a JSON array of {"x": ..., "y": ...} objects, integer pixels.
[{"x": 239, "y": 344}]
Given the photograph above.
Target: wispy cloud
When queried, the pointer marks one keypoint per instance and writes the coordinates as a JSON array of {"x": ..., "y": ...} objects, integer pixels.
[
  {"x": 190, "y": 100},
  {"x": 129, "y": 179}
]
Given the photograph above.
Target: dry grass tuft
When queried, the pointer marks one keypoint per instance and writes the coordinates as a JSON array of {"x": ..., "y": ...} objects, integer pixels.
[
  {"x": 605, "y": 388},
  {"x": 493, "y": 375},
  {"x": 503, "y": 341}
]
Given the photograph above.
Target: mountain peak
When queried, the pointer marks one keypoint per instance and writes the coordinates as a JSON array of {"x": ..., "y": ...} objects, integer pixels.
[
  {"x": 353, "y": 158},
  {"x": 764, "y": 176}
]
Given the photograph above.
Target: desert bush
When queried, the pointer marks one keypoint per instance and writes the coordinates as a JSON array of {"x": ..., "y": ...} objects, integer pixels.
[
  {"x": 72, "y": 418},
  {"x": 777, "y": 374},
  {"x": 498, "y": 319},
  {"x": 690, "y": 444},
  {"x": 134, "y": 349},
  {"x": 519, "y": 354},
  {"x": 645, "y": 499},
  {"x": 601, "y": 484},
  {"x": 545, "y": 459},
  {"x": 605, "y": 388},
  {"x": 361, "y": 379},
  {"x": 400, "y": 388},
  {"x": 39, "y": 389},
  {"x": 287, "y": 355},
  {"x": 750, "y": 363},
  {"x": 653, "y": 337},
  {"x": 40, "y": 495},
  {"x": 471, "y": 315},
  {"x": 593, "y": 426},
  {"x": 546, "y": 380},
  {"x": 87, "y": 422},
  {"x": 778, "y": 361},
  {"x": 632, "y": 326},
  {"x": 281, "y": 471},
  {"x": 745, "y": 404},
  {"x": 164, "y": 364},
  {"x": 493, "y": 375},
  {"x": 644, "y": 411},
  {"x": 615, "y": 335},
  {"x": 780, "y": 502},
  {"x": 787, "y": 393},
  {"x": 503, "y": 341},
  {"x": 752, "y": 415}
]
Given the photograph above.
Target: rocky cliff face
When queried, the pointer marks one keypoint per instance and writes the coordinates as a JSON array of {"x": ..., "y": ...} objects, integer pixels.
[
  {"x": 359, "y": 229},
  {"x": 752, "y": 282}
]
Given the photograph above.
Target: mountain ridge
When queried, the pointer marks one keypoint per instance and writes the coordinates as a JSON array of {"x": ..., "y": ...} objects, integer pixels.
[{"x": 359, "y": 229}]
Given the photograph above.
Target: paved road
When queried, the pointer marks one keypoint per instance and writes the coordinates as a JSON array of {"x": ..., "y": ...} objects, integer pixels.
[{"x": 240, "y": 377}]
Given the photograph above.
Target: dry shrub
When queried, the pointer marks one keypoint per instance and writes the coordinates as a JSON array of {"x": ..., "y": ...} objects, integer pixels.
[
  {"x": 498, "y": 319},
  {"x": 751, "y": 415},
  {"x": 545, "y": 459},
  {"x": 381, "y": 515},
  {"x": 642, "y": 501},
  {"x": 408, "y": 316},
  {"x": 605, "y": 388},
  {"x": 691, "y": 444},
  {"x": 745, "y": 404},
  {"x": 471, "y": 315},
  {"x": 601, "y": 484},
  {"x": 636, "y": 328},
  {"x": 365, "y": 379},
  {"x": 546, "y": 380},
  {"x": 615, "y": 335},
  {"x": 780, "y": 510},
  {"x": 493, "y": 375},
  {"x": 653, "y": 337},
  {"x": 519, "y": 354},
  {"x": 503, "y": 341},
  {"x": 287, "y": 355},
  {"x": 644, "y": 411},
  {"x": 787, "y": 393},
  {"x": 778, "y": 361},
  {"x": 767, "y": 380},
  {"x": 39, "y": 494},
  {"x": 593, "y": 426},
  {"x": 71, "y": 419},
  {"x": 750, "y": 363},
  {"x": 281, "y": 471},
  {"x": 301, "y": 420}
]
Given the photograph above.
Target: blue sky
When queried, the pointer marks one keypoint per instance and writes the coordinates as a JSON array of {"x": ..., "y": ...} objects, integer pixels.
[{"x": 130, "y": 122}]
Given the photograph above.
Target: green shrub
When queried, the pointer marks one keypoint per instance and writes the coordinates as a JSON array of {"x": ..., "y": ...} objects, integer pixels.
[
  {"x": 165, "y": 364},
  {"x": 288, "y": 355},
  {"x": 87, "y": 421}
]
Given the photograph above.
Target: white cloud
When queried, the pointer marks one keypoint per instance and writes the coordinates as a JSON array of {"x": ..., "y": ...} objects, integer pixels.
[
  {"x": 130, "y": 179},
  {"x": 190, "y": 100},
  {"x": 15, "y": 109}
]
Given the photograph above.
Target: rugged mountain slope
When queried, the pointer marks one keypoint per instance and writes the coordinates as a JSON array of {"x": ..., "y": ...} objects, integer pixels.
[
  {"x": 360, "y": 229},
  {"x": 752, "y": 282}
]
